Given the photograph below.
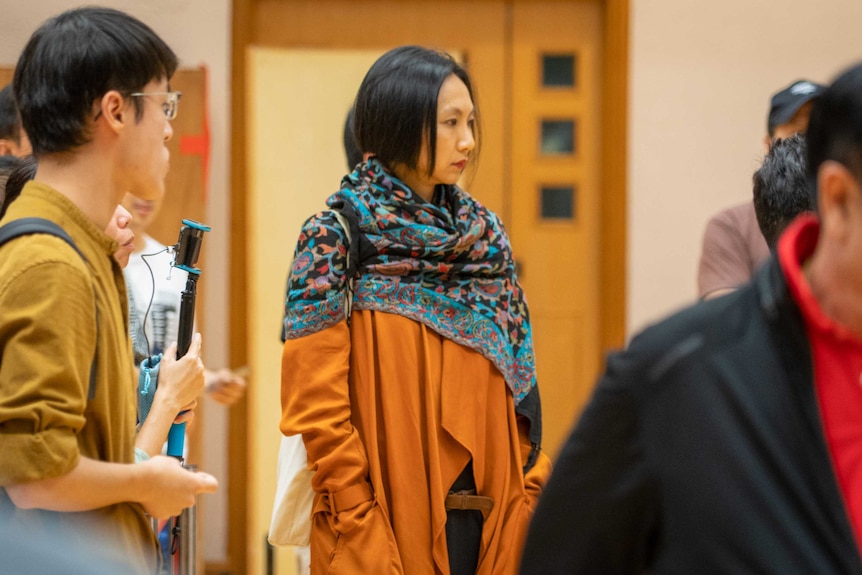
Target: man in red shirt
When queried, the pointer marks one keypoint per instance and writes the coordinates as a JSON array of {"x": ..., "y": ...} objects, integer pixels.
[{"x": 728, "y": 438}]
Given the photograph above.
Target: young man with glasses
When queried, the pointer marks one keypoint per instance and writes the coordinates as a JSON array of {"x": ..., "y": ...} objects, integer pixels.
[
  {"x": 92, "y": 89},
  {"x": 170, "y": 104}
]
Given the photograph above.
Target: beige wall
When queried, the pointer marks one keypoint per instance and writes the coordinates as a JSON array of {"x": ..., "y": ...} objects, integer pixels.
[
  {"x": 701, "y": 77},
  {"x": 199, "y": 32}
]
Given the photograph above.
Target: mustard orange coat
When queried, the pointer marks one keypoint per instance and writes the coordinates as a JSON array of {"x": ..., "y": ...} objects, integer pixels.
[{"x": 390, "y": 413}]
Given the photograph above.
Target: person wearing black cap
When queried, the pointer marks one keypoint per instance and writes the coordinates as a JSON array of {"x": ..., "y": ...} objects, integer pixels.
[
  {"x": 790, "y": 110},
  {"x": 733, "y": 246}
]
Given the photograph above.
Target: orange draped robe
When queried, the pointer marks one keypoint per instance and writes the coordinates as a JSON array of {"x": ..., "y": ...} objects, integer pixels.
[{"x": 390, "y": 413}]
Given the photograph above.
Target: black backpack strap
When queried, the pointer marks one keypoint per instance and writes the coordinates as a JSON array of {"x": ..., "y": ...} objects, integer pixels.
[{"x": 27, "y": 226}]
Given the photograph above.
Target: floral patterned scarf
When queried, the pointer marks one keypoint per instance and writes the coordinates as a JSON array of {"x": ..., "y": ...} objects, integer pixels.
[{"x": 447, "y": 264}]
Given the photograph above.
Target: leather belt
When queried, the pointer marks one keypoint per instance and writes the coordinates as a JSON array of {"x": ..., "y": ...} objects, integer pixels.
[{"x": 467, "y": 499}]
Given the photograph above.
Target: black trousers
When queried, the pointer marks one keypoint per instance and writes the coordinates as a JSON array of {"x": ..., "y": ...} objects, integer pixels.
[{"x": 464, "y": 530}]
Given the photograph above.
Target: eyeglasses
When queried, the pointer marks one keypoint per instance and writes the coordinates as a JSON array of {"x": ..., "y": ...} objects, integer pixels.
[{"x": 169, "y": 107}]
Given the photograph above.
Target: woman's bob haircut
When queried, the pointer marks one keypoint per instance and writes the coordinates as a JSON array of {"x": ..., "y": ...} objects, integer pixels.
[{"x": 396, "y": 107}]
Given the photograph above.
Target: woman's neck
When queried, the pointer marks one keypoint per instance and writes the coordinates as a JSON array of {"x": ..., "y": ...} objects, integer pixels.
[{"x": 413, "y": 181}]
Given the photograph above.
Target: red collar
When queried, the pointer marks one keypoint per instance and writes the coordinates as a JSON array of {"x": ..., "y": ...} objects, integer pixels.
[{"x": 795, "y": 246}]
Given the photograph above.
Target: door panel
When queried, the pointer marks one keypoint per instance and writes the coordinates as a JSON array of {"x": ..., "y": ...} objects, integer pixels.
[
  {"x": 505, "y": 57},
  {"x": 558, "y": 256},
  {"x": 567, "y": 346},
  {"x": 299, "y": 104}
]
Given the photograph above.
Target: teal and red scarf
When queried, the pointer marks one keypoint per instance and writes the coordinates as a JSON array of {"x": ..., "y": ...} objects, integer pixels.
[{"x": 447, "y": 264}]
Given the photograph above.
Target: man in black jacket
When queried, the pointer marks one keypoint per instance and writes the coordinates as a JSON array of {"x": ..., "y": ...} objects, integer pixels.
[{"x": 728, "y": 438}]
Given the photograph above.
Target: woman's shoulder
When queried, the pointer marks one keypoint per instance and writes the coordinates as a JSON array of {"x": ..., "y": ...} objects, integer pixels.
[
  {"x": 323, "y": 226},
  {"x": 324, "y": 218},
  {"x": 321, "y": 250}
]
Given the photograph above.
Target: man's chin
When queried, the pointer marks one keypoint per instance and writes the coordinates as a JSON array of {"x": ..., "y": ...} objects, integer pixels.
[{"x": 149, "y": 194}]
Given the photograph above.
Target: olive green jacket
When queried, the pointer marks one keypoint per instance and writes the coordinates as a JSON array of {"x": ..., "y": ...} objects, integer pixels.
[{"x": 57, "y": 313}]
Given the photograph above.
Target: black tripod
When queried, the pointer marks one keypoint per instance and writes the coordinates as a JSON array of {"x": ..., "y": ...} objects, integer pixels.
[{"x": 183, "y": 528}]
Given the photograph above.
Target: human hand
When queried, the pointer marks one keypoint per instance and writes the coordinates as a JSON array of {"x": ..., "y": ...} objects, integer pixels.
[
  {"x": 225, "y": 386},
  {"x": 167, "y": 488},
  {"x": 181, "y": 381},
  {"x": 187, "y": 413}
]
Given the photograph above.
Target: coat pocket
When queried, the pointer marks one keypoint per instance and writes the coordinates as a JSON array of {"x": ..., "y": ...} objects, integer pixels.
[{"x": 368, "y": 547}]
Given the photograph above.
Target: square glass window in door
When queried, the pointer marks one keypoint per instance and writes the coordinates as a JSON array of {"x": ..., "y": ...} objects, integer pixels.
[
  {"x": 559, "y": 70},
  {"x": 558, "y": 202},
  {"x": 558, "y": 137}
]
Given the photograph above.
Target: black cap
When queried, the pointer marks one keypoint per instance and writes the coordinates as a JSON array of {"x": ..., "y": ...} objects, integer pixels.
[{"x": 788, "y": 101}]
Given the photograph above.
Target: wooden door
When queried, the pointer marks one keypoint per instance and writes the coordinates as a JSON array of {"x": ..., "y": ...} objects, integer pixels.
[
  {"x": 506, "y": 55},
  {"x": 554, "y": 220},
  {"x": 555, "y": 203}
]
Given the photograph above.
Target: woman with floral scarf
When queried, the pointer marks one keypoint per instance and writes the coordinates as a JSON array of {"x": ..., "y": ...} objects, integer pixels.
[{"x": 418, "y": 405}]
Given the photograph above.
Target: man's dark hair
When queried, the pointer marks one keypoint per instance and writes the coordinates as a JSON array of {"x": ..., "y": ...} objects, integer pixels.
[
  {"x": 8, "y": 164},
  {"x": 835, "y": 128},
  {"x": 351, "y": 150},
  {"x": 781, "y": 187},
  {"x": 10, "y": 122},
  {"x": 17, "y": 174},
  {"x": 396, "y": 106},
  {"x": 73, "y": 60}
]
